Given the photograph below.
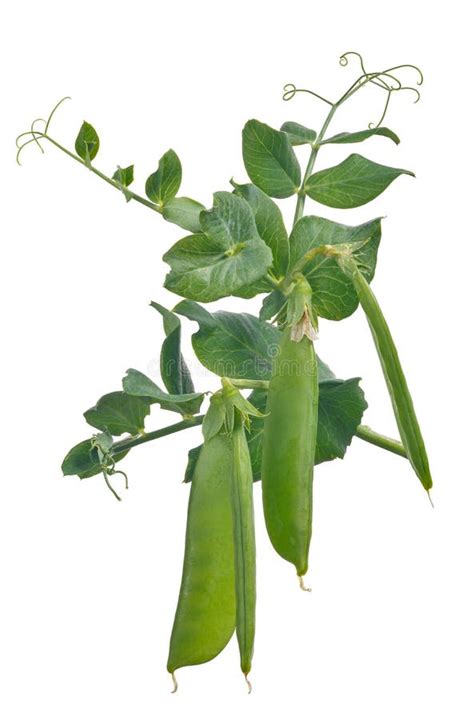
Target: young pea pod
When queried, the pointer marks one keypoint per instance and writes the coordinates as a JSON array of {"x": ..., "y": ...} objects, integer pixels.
[
  {"x": 218, "y": 585},
  {"x": 205, "y": 615},
  {"x": 289, "y": 442},
  {"x": 402, "y": 402},
  {"x": 244, "y": 543}
]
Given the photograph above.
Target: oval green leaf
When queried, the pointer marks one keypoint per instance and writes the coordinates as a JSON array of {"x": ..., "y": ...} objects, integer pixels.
[
  {"x": 352, "y": 183},
  {"x": 139, "y": 385},
  {"x": 87, "y": 143},
  {"x": 174, "y": 370},
  {"x": 227, "y": 255},
  {"x": 123, "y": 176},
  {"x": 298, "y": 134},
  {"x": 234, "y": 345},
  {"x": 163, "y": 185},
  {"x": 184, "y": 212},
  {"x": 346, "y": 138},
  {"x": 334, "y": 296},
  {"x": 269, "y": 222},
  {"x": 118, "y": 412},
  {"x": 270, "y": 160},
  {"x": 83, "y": 460}
]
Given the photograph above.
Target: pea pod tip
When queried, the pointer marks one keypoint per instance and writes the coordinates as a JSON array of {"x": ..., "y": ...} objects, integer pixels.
[
  {"x": 175, "y": 683},
  {"x": 249, "y": 685},
  {"x": 302, "y": 584}
]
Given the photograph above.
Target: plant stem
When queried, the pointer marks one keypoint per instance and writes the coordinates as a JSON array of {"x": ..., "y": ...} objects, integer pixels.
[
  {"x": 125, "y": 444},
  {"x": 315, "y": 148},
  {"x": 379, "y": 440},
  {"x": 250, "y": 383},
  {"x": 363, "y": 432},
  {"x": 109, "y": 180},
  {"x": 312, "y": 159}
]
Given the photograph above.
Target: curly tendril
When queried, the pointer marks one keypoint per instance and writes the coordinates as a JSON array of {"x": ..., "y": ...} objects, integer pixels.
[
  {"x": 108, "y": 470},
  {"x": 34, "y": 135},
  {"x": 386, "y": 80},
  {"x": 290, "y": 90}
]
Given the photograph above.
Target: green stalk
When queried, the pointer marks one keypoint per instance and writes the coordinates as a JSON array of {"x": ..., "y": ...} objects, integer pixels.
[
  {"x": 363, "y": 432},
  {"x": 125, "y": 444},
  {"x": 250, "y": 383},
  {"x": 109, "y": 180},
  {"x": 317, "y": 144},
  {"x": 379, "y": 440},
  {"x": 309, "y": 169}
]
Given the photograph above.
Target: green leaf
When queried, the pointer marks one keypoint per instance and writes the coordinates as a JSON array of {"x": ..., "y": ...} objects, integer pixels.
[
  {"x": 83, "y": 460},
  {"x": 270, "y": 160},
  {"x": 352, "y": 183},
  {"x": 227, "y": 255},
  {"x": 269, "y": 222},
  {"x": 344, "y": 138},
  {"x": 259, "y": 287},
  {"x": 124, "y": 177},
  {"x": 163, "y": 185},
  {"x": 272, "y": 304},
  {"x": 239, "y": 346},
  {"x": 87, "y": 143},
  {"x": 118, "y": 412},
  {"x": 231, "y": 344},
  {"x": 184, "y": 212},
  {"x": 341, "y": 407},
  {"x": 139, "y": 385},
  {"x": 174, "y": 370},
  {"x": 334, "y": 296},
  {"x": 298, "y": 134}
]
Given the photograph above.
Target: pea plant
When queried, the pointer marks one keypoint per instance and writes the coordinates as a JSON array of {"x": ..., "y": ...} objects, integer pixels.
[{"x": 297, "y": 413}]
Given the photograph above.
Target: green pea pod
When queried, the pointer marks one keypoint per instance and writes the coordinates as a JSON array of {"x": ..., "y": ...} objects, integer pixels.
[
  {"x": 205, "y": 615},
  {"x": 244, "y": 543},
  {"x": 402, "y": 402},
  {"x": 289, "y": 443}
]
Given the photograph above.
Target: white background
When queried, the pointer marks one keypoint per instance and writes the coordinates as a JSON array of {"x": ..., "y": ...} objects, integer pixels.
[{"x": 90, "y": 585}]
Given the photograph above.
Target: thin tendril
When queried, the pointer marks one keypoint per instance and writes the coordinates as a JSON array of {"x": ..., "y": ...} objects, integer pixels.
[
  {"x": 119, "y": 471},
  {"x": 412, "y": 67},
  {"x": 53, "y": 111},
  {"x": 106, "y": 477},
  {"x": 412, "y": 89},
  {"x": 36, "y": 135},
  {"x": 371, "y": 124},
  {"x": 290, "y": 90},
  {"x": 386, "y": 80},
  {"x": 33, "y": 131},
  {"x": 343, "y": 60},
  {"x": 28, "y": 142},
  {"x": 28, "y": 132}
]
